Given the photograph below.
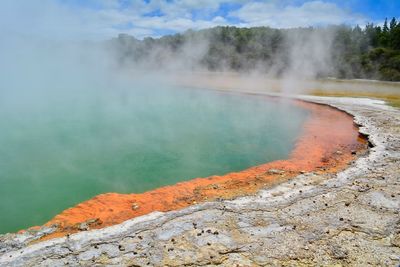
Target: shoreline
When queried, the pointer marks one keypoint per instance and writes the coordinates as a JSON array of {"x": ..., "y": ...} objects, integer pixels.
[
  {"x": 349, "y": 218},
  {"x": 329, "y": 139}
]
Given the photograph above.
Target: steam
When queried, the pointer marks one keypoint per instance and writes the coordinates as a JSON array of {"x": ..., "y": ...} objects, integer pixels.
[
  {"x": 290, "y": 55},
  {"x": 67, "y": 41}
]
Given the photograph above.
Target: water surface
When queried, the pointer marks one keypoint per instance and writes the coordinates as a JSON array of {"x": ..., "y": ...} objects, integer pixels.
[{"x": 59, "y": 148}]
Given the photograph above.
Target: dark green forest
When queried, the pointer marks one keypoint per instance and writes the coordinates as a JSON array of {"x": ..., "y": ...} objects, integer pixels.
[{"x": 371, "y": 52}]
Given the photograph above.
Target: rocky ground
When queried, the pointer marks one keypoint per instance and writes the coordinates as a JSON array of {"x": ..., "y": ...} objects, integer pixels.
[{"x": 351, "y": 219}]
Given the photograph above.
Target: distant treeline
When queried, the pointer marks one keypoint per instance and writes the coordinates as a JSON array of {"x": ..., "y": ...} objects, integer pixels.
[{"x": 372, "y": 52}]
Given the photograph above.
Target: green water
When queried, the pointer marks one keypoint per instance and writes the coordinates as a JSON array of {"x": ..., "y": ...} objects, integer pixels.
[{"x": 59, "y": 149}]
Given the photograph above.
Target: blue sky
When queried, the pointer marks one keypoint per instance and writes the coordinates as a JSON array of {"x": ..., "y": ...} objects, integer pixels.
[{"x": 101, "y": 19}]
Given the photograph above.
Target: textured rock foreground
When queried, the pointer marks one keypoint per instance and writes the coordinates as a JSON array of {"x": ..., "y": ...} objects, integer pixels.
[{"x": 350, "y": 219}]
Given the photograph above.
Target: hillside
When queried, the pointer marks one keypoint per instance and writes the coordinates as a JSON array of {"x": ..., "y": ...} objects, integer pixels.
[{"x": 372, "y": 52}]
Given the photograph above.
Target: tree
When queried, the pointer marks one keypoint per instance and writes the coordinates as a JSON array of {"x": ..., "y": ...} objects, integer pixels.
[
  {"x": 372, "y": 34},
  {"x": 393, "y": 24},
  {"x": 394, "y": 34},
  {"x": 384, "y": 36},
  {"x": 385, "y": 27},
  {"x": 371, "y": 52},
  {"x": 395, "y": 37}
]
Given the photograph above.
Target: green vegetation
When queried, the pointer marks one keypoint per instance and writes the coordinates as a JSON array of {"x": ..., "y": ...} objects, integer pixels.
[{"x": 345, "y": 52}]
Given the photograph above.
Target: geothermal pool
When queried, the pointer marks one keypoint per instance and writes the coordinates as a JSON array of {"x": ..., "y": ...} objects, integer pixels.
[{"x": 59, "y": 148}]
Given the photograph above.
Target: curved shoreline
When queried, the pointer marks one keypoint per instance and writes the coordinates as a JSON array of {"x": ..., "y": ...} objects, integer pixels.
[
  {"x": 327, "y": 144},
  {"x": 350, "y": 218}
]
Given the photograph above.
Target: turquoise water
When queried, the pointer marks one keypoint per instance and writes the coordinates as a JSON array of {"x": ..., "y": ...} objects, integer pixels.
[{"x": 63, "y": 147}]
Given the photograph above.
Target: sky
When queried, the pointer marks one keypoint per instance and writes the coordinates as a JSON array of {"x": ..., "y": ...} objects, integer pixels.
[{"x": 103, "y": 19}]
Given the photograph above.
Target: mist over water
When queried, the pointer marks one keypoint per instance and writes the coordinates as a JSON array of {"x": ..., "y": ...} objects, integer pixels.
[
  {"x": 74, "y": 125},
  {"x": 60, "y": 147}
]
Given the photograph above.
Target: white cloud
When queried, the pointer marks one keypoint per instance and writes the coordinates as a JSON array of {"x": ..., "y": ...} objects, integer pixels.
[
  {"x": 185, "y": 7},
  {"x": 175, "y": 17},
  {"x": 308, "y": 14},
  {"x": 109, "y": 18}
]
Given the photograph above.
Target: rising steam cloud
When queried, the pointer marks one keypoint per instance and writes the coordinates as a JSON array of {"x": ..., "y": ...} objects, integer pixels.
[{"x": 54, "y": 34}]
